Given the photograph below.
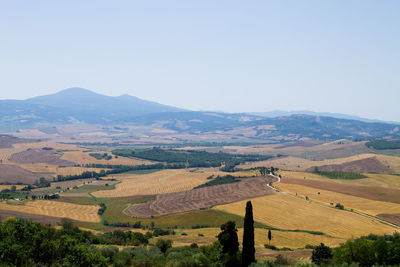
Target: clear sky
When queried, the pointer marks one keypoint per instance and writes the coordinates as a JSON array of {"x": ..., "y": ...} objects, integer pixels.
[{"x": 235, "y": 56}]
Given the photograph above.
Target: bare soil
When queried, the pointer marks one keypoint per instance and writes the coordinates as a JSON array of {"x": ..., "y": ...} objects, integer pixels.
[
  {"x": 393, "y": 218},
  {"x": 41, "y": 156},
  {"x": 31, "y": 217},
  {"x": 15, "y": 174},
  {"x": 203, "y": 197},
  {"x": 8, "y": 141},
  {"x": 369, "y": 192},
  {"x": 368, "y": 165}
]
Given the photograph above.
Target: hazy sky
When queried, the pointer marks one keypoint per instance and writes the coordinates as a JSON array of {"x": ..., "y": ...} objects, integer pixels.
[{"x": 235, "y": 56}]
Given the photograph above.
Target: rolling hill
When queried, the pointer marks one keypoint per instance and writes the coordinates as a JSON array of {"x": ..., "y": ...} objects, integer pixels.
[{"x": 83, "y": 107}]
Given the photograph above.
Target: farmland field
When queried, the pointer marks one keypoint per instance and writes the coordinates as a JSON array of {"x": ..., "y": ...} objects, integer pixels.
[
  {"x": 365, "y": 205},
  {"x": 13, "y": 174},
  {"x": 288, "y": 212},
  {"x": 86, "y": 213},
  {"x": 203, "y": 197},
  {"x": 40, "y": 156},
  {"x": 293, "y": 240},
  {"x": 161, "y": 182}
]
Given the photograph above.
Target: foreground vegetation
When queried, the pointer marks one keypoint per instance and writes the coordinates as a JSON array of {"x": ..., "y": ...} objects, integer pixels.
[{"x": 24, "y": 243}]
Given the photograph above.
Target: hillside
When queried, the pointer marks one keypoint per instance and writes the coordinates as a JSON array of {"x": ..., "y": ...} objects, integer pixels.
[{"x": 78, "y": 106}]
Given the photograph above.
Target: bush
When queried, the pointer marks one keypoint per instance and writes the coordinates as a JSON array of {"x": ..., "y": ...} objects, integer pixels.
[
  {"x": 164, "y": 245},
  {"x": 321, "y": 254}
]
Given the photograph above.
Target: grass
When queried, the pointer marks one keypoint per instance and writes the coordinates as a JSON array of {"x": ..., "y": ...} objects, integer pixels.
[
  {"x": 210, "y": 218},
  {"x": 78, "y": 200},
  {"x": 142, "y": 171}
]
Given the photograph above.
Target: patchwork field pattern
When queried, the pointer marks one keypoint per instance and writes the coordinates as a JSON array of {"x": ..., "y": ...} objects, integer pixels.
[
  {"x": 365, "y": 205},
  {"x": 161, "y": 182},
  {"x": 369, "y": 192},
  {"x": 87, "y": 213},
  {"x": 358, "y": 166},
  {"x": 82, "y": 157},
  {"x": 288, "y": 212},
  {"x": 40, "y": 156},
  {"x": 15, "y": 174},
  {"x": 203, "y": 197}
]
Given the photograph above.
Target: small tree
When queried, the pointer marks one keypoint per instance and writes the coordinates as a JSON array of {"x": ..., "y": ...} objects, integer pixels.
[
  {"x": 269, "y": 236},
  {"x": 321, "y": 254},
  {"x": 164, "y": 245},
  {"x": 228, "y": 238},
  {"x": 230, "y": 245}
]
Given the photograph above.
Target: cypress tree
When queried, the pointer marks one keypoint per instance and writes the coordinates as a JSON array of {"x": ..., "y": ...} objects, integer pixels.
[{"x": 248, "y": 253}]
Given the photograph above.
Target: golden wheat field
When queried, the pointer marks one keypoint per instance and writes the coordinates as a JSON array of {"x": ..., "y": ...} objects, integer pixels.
[
  {"x": 161, "y": 182},
  {"x": 288, "y": 212},
  {"x": 383, "y": 180},
  {"x": 82, "y": 157},
  {"x": 300, "y": 164},
  {"x": 368, "y": 206},
  {"x": 87, "y": 213},
  {"x": 5, "y": 186}
]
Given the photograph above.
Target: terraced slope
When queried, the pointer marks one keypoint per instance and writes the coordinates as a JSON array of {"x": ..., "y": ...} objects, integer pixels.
[{"x": 203, "y": 197}]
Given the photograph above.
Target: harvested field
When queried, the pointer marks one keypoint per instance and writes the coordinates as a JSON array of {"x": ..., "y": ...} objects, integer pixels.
[
  {"x": 301, "y": 164},
  {"x": 161, "y": 182},
  {"x": 368, "y": 206},
  {"x": 4, "y": 186},
  {"x": 203, "y": 197},
  {"x": 81, "y": 157},
  {"x": 393, "y": 218},
  {"x": 288, "y": 212},
  {"x": 379, "y": 180},
  {"x": 15, "y": 174},
  {"x": 7, "y": 141},
  {"x": 78, "y": 182},
  {"x": 392, "y": 162},
  {"x": 87, "y": 213},
  {"x": 384, "y": 194},
  {"x": 31, "y": 217},
  {"x": 359, "y": 166},
  {"x": 40, "y": 156}
]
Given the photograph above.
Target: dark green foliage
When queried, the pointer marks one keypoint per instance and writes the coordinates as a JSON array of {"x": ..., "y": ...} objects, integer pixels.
[
  {"x": 248, "y": 253},
  {"x": 339, "y": 206},
  {"x": 25, "y": 243},
  {"x": 190, "y": 158},
  {"x": 102, "y": 209},
  {"x": 42, "y": 182},
  {"x": 321, "y": 254},
  {"x": 340, "y": 175},
  {"x": 230, "y": 254},
  {"x": 227, "y": 179},
  {"x": 99, "y": 156},
  {"x": 164, "y": 245},
  {"x": 383, "y": 144},
  {"x": 269, "y": 236},
  {"x": 228, "y": 238},
  {"x": 368, "y": 252}
]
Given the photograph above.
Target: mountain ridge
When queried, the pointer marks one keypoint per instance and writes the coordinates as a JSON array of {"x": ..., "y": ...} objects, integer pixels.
[{"x": 81, "y": 106}]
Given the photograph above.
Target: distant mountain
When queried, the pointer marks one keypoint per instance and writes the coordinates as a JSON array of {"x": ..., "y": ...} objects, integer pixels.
[
  {"x": 281, "y": 113},
  {"x": 81, "y": 106},
  {"x": 77, "y": 105}
]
